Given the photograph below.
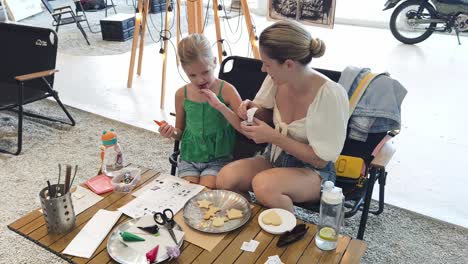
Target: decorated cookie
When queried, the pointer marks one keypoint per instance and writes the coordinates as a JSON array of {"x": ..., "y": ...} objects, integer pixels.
[
  {"x": 234, "y": 213},
  {"x": 211, "y": 212},
  {"x": 204, "y": 204},
  {"x": 218, "y": 221},
  {"x": 272, "y": 218}
]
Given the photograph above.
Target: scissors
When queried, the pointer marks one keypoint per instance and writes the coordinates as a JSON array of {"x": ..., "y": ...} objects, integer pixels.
[{"x": 166, "y": 219}]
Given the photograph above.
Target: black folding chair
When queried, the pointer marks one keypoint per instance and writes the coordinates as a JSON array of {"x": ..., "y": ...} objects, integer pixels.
[
  {"x": 79, "y": 7},
  {"x": 245, "y": 74},
  {"x": 64, "y": 16},
  {"x": 28, "y": 55}
]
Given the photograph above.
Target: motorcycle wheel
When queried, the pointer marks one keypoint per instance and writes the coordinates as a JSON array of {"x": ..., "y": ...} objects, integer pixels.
[{"x": 406, "y": 31}]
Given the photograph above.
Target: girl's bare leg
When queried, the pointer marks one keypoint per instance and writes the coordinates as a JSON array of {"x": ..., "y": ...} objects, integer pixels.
[
  {"x": 208, "y": 181},
  {"x": 279, "y": 187}
]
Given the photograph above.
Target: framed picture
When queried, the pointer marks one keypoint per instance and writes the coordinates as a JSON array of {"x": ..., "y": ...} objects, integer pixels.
[
  {"x": 312, "y": 12},
  {"x": 21, "y": 9}
]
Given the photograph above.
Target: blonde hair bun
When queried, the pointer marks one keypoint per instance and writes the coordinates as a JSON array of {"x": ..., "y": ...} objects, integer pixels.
[{"x": 317, "y": 47}]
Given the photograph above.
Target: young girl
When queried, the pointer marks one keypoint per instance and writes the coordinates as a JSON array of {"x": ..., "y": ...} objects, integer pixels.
[{"x": 203, "y": 115}]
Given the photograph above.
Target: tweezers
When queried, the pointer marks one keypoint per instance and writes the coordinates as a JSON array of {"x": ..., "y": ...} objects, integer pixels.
[{"x": 292, "y": 236}]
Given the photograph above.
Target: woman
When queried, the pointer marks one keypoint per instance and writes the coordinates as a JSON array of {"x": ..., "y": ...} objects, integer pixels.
[{"x": 309, "y": 113}]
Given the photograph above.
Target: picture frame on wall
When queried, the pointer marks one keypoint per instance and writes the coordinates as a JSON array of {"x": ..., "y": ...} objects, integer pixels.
[
  {"x": 311, "y": 12},
  {"x": 21, "y": 9}
]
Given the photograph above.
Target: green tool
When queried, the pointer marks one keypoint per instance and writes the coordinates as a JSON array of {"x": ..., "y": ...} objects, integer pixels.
[{"x": 127, "y": 236}]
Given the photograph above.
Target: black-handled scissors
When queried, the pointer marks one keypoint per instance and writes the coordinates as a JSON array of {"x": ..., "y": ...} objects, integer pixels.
[{"x": 166, "y": 219}]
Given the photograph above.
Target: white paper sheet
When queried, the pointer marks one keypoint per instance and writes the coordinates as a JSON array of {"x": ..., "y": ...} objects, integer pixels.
[
  {"x": 92, "y": 234},
  {"x": 157, "y": 182},
  {"x": 168, "y": 192},
  {"x": 83, "y": 198}
]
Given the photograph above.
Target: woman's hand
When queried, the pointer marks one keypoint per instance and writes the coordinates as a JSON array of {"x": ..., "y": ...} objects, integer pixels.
[
  {"x": 243, "y": 107},
  {"x": 260, "y": 132},
  {"x": 212, "y": 99},
  {"x": 166, "y": 130}
]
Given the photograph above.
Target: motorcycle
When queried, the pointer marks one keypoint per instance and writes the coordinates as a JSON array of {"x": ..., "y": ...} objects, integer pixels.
[{"x": 413, "y": 21}]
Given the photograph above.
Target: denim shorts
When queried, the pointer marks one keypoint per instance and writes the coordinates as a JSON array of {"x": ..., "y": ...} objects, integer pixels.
[
  {"x": 286, "y": 160},
  {"x": 188, "y": 168}
]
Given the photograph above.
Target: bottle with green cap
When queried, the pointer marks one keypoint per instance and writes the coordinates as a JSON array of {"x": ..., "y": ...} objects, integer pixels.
[
  {"x": 331, "y": 217},
  {"x": 111, "y": 154}
]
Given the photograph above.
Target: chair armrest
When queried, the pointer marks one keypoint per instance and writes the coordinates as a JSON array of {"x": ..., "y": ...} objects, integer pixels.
[
  {"x": 35, "y": 75},
  {"x": 385, "y": 155}
]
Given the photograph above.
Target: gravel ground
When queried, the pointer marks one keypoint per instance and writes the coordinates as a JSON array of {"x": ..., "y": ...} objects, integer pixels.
[{"x": 395, "y": 236}]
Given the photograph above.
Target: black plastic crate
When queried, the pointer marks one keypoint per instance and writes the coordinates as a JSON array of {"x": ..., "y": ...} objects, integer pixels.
[
  {"x": 157, "y": 6},
  {"x": 118, "y": 27}
]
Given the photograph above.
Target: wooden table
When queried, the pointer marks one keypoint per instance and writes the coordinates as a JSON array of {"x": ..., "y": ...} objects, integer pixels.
[{"x": 32, "y": 226}]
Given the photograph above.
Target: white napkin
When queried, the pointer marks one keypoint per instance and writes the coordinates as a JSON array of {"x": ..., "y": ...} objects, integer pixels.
[
  {"x": 93, "y": 233},
  {"x": 250, "y": 114},
  {"x": 250, "y": 246},
  {"x": 274, "y": 260}
]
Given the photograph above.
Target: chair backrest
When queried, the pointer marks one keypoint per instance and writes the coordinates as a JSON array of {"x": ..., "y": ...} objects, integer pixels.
[
  {"x": 246, "y": 75},
  {"x": 23, "y": 50}
]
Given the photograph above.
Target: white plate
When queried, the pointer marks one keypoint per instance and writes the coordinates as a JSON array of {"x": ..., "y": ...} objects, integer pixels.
[
  {"x": 288, "y": 221},
  {"x": 135, "y": 252},
  {"x": 225, "y": 200}
]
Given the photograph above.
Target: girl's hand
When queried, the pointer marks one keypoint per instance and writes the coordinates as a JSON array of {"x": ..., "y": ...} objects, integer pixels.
[
  {"x": 166, "y": 130},
  {"x": 260, "y": 132},
  {"x": 243, "y": 107},
  {"x": 212, "y": 99}
]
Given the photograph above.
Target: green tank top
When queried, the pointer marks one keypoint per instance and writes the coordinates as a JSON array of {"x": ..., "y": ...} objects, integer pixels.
[{"x": 207, "y": 134}]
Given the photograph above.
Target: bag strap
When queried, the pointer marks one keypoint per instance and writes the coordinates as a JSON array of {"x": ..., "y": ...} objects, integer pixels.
[
  {"x": 353, "y": 101},
  {"x": 360, "y": 89}
]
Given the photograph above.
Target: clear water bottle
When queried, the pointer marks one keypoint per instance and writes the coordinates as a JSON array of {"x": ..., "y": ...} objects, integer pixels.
[
  {"x": 111, "y": 155},
  {"x": 331, "y": 217}
]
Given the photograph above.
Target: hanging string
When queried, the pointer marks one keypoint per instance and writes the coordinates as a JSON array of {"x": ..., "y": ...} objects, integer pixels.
[
  {"x": 226, "y": 15},
  {"x": 206, "y": 17},
  {"x": 178, "y": 67}
]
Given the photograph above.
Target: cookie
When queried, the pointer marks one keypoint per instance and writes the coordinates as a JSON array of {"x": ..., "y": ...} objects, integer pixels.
[
  {"x": 234, "y": 213},
  {"x": 218, "y": 221},
  {"x": 204, "y": 204},
  {"x": 272, "y": 218},
  {"x": 211, "y": 212}
]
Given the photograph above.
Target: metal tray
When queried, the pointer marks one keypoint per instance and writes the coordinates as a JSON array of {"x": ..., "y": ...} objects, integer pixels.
[
  {"x": 135, "y": 252},
  {"x": 225, "y": 200}
]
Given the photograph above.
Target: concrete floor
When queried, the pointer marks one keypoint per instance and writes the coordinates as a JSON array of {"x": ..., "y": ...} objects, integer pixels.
[{"x": 427, "y": 174}]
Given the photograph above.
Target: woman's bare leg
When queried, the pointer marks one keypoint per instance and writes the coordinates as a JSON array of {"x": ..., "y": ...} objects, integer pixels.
[
  {"x": 237, "y": 176},
  {"x": 279, "y": 187},
  {"x": 208, "y": 181}
]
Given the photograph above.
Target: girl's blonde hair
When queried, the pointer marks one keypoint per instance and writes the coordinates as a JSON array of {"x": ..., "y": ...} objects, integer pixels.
[
  {"x": 194, "y": 48},
  {"x": 289, "y": 40}
]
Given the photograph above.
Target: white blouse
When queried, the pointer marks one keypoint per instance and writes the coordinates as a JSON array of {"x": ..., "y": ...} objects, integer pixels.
[{"x": 324, "y": 126}]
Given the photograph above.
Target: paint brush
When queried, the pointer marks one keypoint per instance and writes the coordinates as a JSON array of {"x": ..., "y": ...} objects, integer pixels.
[
  {"x": 67, "y": 178},
  {"x": 76, "y": 169}
]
